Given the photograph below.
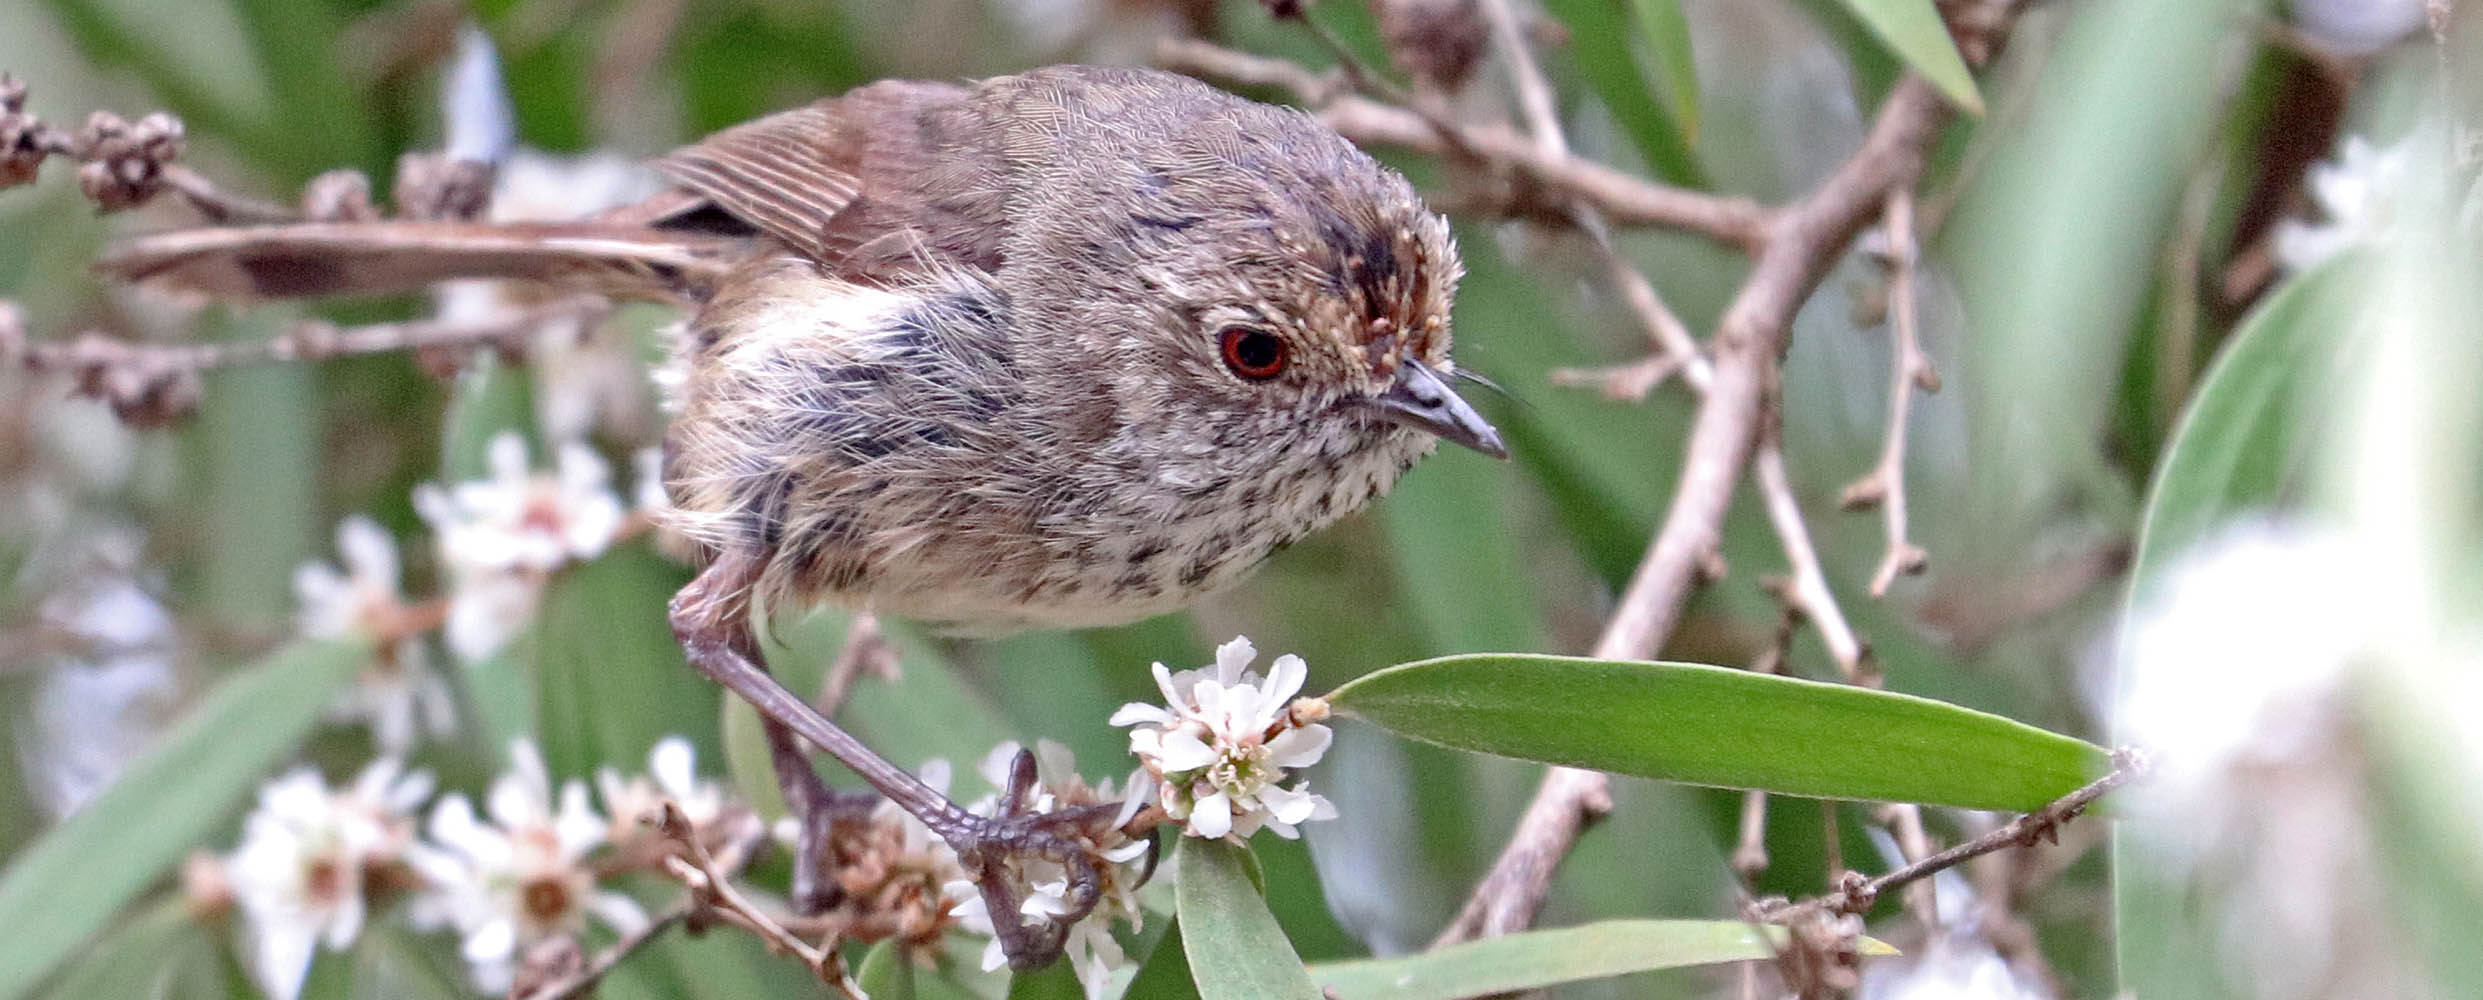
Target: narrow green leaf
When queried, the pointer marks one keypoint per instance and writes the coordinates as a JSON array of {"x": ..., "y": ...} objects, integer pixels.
[
  {"x": 2250, "y": 418},
  {"x": 70, "y": 882},
  {"x": 1913, "y": 29},
  {"x": 391, "y": 961},
  {"x": 1166, "y": 974},
  {"x": 1052, "y": 982},
  {"x": 1537, "y": 959},
  {"x": 1668, "y": 42},
  {"x": 1599, "y": 43},
  {"x": 490, "y": 398},
  {"x": 1730, "y": 728},
  {"x": 609, "y": 679},
  {"x": 1236, "y": 951},
  {"x": 885, "y": 974},
  {"x": 162, "y": 953}
]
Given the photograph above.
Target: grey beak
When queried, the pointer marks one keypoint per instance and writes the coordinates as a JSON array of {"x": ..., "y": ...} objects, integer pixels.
[{"x": 1421, "y": 399}]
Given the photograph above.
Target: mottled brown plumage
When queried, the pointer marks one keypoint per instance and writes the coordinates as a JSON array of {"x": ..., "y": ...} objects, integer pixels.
[{"x": 978, "y": 380}]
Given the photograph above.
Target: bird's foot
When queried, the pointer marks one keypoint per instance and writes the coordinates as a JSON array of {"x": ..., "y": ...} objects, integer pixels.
[{"x": 1076, "y": 849}]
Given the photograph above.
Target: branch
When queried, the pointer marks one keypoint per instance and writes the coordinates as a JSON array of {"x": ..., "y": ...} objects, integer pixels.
[
  {"x": 1909, "y": 369},
  {"x": 1621, "y": 197},
  {"x": 712, "y": 892},
  {"x": 1805, "y": 592},
  {"x": 578, "y": 983},
  {"x": 1858, "y": 893},
  {"x": 157, "y": 384},
  {"x": 1799, "y": 244}
]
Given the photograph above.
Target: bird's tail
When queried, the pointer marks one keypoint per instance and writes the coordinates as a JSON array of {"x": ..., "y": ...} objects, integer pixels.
[{"x": 316, "y": 259}]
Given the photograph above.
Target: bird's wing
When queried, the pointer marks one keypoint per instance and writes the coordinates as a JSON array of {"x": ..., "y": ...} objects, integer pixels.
[
  {"x": 845, "y": 180},
  {"x": 787, "y": 174}
]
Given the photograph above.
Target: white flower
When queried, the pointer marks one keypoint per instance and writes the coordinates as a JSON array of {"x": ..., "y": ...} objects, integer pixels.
[
  {"x": 1957, "y": 967},
  {"x": 499, "y": 538},
  {"x": 672, "y": 776},
  {"x": 2357, "y": 195},
  {"x": 519, "y": 879},
  {"x": 1225, "y": 741},
  {"x": 1089, "y": 947},
  {"x": 400, "y": 695},
  {"x": 2237, "y": 655},
  {"x": 299, "y": 872}
]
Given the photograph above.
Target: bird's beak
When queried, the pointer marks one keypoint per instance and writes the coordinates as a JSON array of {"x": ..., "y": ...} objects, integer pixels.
[{"x": 1421, "y": 399}]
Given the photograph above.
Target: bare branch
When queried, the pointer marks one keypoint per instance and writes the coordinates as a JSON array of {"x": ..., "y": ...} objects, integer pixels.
[
  {"x": 864, "y": 653},
  {"x": 1806, "y": 592},
  {"x": 1857, "y": 893},
  {"x": 156, "y": 384},
  {"x": 1909, "y": 370},
  {"x": 712, "y": 892},
  {"x": 1621, "y": 197}
]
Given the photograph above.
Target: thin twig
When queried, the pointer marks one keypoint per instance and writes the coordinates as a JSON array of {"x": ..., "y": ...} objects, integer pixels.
[
  {"x": 1806, "y": 591},
  {"x": 1750, "y": 847},
  {"x": 1904, "y": 821},
  {"x": 864, "y": 652},
  {"x": 1675, "y": 349},
  {"x": 1858, "y": 894},
  {"x": 1623, "y": 198},
  {"x": 1909, "y": 369},
  {"x": 711, "y": 888},
  {"x": 737, "y": 852},
  {"x": 1534, "y": 92},
  {"x": 152, "y": 384}
]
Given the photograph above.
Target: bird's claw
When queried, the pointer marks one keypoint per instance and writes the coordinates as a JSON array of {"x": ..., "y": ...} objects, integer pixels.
[{"x": 991, "y": 849}]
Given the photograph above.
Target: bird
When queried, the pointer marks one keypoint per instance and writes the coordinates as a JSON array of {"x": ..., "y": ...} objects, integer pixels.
[{"x": 1066, "y": 348}]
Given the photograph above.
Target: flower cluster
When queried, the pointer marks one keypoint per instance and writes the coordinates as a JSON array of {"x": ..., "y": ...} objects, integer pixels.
[
  {"x": 1225, "y": 739},
  {"x": 399, "y": 695},
  {"x": 500, "y": 538},
  {"x": 534, "y": 862},
  {"x": 313, "y": 862},
  {"x": 310, "y": 857},
  {"x": 521, "y": 878}
]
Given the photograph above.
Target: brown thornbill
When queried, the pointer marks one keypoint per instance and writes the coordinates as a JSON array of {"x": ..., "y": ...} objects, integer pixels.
[{"x": 1067, "y": 348}]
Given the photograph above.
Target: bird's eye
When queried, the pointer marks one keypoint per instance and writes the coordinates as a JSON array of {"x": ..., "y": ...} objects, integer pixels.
[{"x": 1252, "y": 353}]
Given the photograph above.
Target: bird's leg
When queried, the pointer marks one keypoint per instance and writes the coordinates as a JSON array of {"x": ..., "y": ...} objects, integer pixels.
[
  {"x": 817, "y": 807},
  {"x": 710, "y": 619}
]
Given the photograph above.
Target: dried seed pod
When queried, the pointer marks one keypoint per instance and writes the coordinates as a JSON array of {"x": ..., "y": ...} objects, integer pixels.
[{"x": 1438, "y": 42}]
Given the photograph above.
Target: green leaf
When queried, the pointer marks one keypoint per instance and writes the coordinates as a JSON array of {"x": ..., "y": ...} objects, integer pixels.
[
  {"x": 1913, "y": 29},
  {"x": 164, "y": 953},
  {"x": 885, "y": 974},
  {"x": 1537, "y": 959},
  {"x": 1052, "y": 982},
  {"x": 1236, "y": 950},
  {"x": 1668, "y": 42},
  {"x": 1730, "y": 728},
  {"x": 609, "y": 678},
  {"x": 1599, "y": 42},
  {"x": 2252, "y": 415},
  {"x": 68, "y": 884},
  {"x": 391, "y": 961},
  {"x": 1166, "y": 974}
]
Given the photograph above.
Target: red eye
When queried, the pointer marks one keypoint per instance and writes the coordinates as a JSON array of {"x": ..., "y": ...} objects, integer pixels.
[{"x": 1252, "y": 353}]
